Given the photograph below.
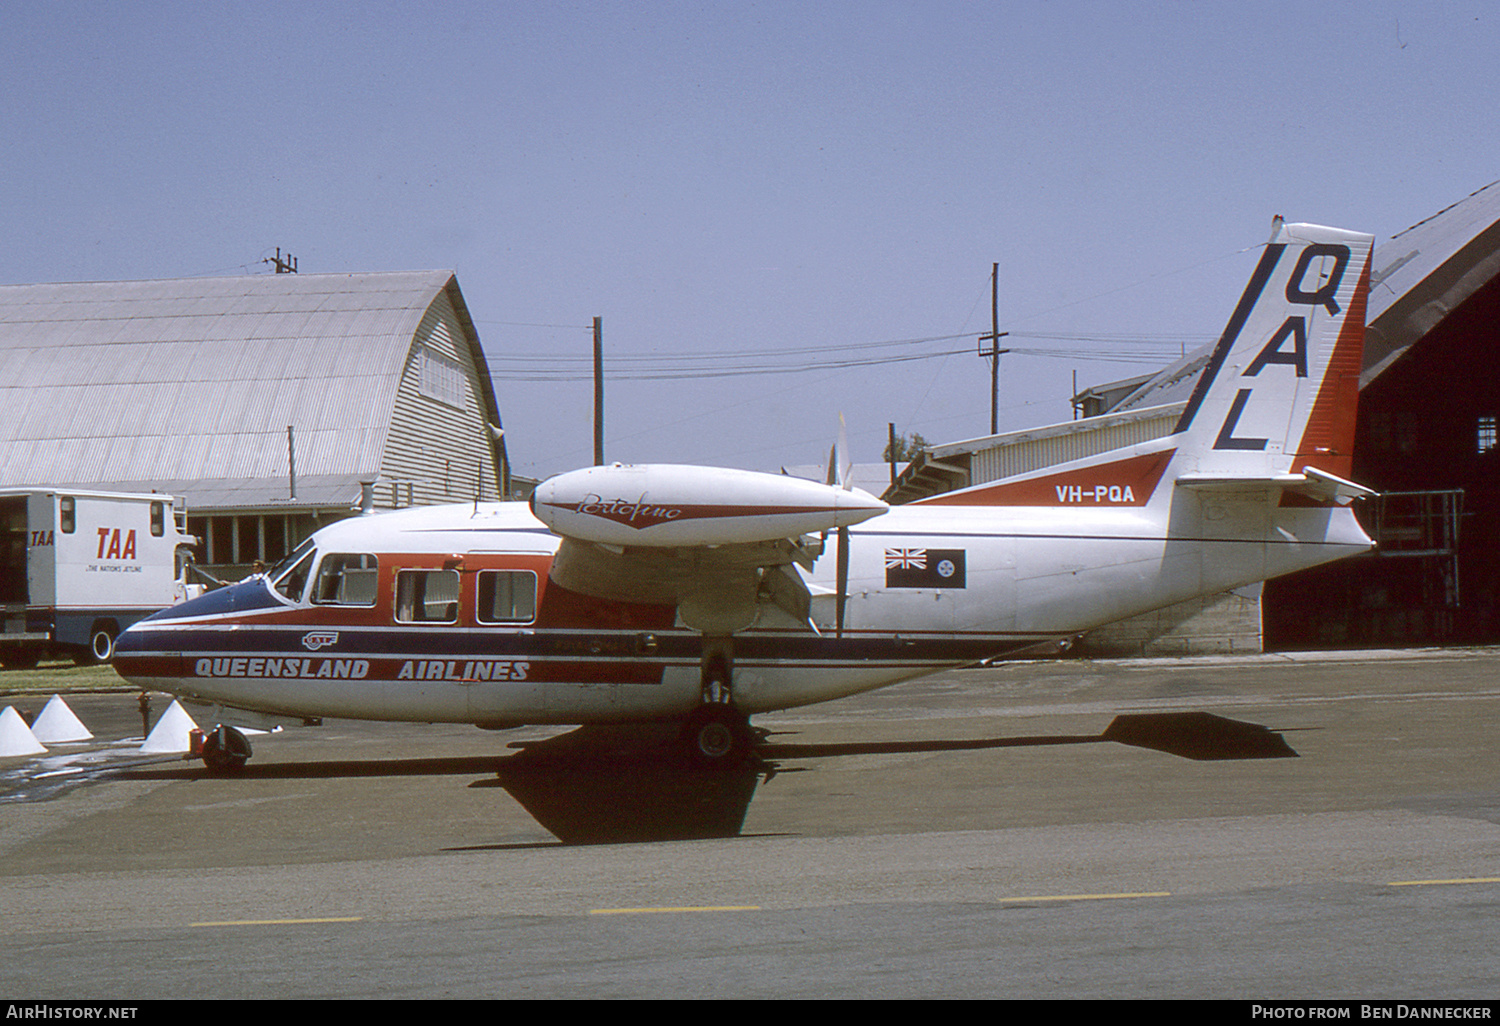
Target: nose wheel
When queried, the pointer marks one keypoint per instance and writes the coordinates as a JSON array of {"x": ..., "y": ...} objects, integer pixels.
[{"x": 225, "y": 750}]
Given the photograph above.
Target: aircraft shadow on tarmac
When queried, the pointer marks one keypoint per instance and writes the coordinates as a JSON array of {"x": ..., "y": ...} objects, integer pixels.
[
  {"x": 614, "y": 784},
  {"x": 601, "y": 784}
]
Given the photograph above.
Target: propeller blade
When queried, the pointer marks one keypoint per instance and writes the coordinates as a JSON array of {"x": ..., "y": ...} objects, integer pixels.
[
  {"x": 842, "y": 598},
  {"x": 839, "y": 463},
  {"x": 845, "y": 478}
]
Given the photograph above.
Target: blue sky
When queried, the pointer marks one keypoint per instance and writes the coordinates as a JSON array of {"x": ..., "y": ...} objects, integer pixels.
[{"x": 716, "y": 180}]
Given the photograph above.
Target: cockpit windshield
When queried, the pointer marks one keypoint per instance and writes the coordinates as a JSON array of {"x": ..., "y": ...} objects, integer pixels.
[
  {"x": 280, "y": 568},
  {"x": 289, "y": 577}
]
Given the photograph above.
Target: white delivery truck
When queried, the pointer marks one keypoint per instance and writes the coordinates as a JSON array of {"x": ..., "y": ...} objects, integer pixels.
[{"x": 78, "y": 567}]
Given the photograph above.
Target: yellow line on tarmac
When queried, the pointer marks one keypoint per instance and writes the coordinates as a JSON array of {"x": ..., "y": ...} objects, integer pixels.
[
  {"x": 1092, "y": 897},
  {"x": 281, "y": 922},
  {"x": 677, "y": 908},
  {"x": 1419, "y": 883}
]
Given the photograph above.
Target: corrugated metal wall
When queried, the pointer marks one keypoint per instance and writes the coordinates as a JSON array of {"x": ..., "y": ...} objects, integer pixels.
[
  {"x": 436, "y": 452},
  {"x": 1021, "y": 457}
]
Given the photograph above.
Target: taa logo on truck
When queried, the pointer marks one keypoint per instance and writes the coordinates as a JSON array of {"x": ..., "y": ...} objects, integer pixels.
[{"x": 113, "y": 544}]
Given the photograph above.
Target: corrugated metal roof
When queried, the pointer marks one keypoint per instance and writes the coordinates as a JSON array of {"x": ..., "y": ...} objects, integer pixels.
[
  {"x": 193, "y": 382},
  {"x": 943, "y": 468},
  {"x": 1422, "y": 274},
  {"x": 1417, "y": 278}
]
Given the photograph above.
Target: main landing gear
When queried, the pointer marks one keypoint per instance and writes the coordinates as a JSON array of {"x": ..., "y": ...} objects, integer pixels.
[{"x": 717, "y": 734}]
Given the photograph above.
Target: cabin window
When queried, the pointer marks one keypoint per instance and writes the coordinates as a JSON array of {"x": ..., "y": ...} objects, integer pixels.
[
  {"x": 506, "y": 596},
  {"x": 347, "y": 579},
  {"x": 427, "y": 596},
  {"x": 158, "y": 519},
  {"x": 294, "y": 580},
  {"x": 67, "y": 514}
]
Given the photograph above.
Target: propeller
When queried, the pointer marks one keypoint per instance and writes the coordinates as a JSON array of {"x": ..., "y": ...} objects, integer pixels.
[
  {"x": 839, "y": 464},
  {"x": 839, "y": 467}
]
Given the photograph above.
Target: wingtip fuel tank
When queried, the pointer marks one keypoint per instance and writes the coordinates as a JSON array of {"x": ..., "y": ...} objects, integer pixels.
[{"x": 669, "y": 505}]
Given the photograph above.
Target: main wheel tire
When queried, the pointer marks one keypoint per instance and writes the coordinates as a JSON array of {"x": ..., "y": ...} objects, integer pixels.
[
  {"x": 717, "y": 735},
  {"x": 225, "y": 750}
]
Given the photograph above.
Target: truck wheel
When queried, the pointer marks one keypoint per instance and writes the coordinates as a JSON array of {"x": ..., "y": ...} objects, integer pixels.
[
  {"x": 103, "y": 644},
  {"x": 99, "y": 650}
]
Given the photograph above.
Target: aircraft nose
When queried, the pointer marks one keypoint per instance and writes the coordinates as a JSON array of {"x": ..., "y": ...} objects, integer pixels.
[{"x": 128, "y": 642}]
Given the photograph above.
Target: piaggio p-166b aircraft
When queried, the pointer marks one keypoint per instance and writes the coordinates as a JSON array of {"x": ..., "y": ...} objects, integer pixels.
[{"x": 649, "y": 593}]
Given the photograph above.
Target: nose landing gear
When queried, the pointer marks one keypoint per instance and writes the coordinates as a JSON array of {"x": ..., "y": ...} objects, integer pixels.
[{"x": 225, "y": 750}]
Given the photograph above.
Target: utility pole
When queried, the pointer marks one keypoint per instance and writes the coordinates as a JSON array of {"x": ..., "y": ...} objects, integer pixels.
[
  {"x": 287, "y": 266},
  {"x": 291, "y": 461},
  {"x": 995, "y": 351},
  {"x": 598, "y": 391}
]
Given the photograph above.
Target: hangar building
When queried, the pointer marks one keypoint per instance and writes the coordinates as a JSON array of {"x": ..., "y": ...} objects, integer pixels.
[
  {"x": 271, "y": 403},
  {"x": 1427, "y": 438}
]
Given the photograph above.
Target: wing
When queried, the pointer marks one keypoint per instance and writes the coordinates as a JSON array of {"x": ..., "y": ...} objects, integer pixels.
[{"x": 718, "y": 543}]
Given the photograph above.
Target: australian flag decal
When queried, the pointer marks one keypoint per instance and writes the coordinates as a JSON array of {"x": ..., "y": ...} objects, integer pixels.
[{"x": 924, "y": 568}]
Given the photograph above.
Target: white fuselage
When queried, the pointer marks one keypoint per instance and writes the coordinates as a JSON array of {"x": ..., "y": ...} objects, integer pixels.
[{"x": 928, "y": 587}]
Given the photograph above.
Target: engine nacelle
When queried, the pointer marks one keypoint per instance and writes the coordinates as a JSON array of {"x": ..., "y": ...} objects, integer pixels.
[{"x": 670, "y": 505}]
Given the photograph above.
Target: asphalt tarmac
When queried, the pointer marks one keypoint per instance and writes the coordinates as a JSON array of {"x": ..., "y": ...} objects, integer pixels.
[{"x": 1313, "y": 827}]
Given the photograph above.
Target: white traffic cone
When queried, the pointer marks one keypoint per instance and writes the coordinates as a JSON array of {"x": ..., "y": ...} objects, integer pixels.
[
  {"x": 56, "y": 724},
  {"x": 15, "y": 737},
  {"x": 170, "y": 735}
]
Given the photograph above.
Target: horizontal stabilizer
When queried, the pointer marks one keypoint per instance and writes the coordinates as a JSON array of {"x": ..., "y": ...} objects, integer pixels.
[
  {"x": 1311, "y": 482},
  {"x": 1331, "y": 488}
]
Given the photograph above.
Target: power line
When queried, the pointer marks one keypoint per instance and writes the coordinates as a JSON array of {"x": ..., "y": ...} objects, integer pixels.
[
  {"x": 1118, "y": 347},
  {"x": 753, "y": 354},
  {"x": 1162, "y": 342},
  {"x": 531, "y": 324},
  {"x": 578, "y": 369}
]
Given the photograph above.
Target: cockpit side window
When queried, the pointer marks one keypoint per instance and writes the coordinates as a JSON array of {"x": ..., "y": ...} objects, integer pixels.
[
  {"x": 347, "y": 579},
  {"x": 427, "y": 596},
  {"x": 292, "y": 582},
  {"x": 506, "y": 596}
]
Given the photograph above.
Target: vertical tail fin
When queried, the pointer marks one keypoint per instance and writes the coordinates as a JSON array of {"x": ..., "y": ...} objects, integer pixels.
[
  {"x": 1280, "y": 391},
  {"x": 1276, "y": 400}
]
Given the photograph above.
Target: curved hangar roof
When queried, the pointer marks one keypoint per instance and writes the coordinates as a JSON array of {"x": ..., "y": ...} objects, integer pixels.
[
  {"x": 188, "y": 385},
  {"x": 1418, "y": 277}
]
